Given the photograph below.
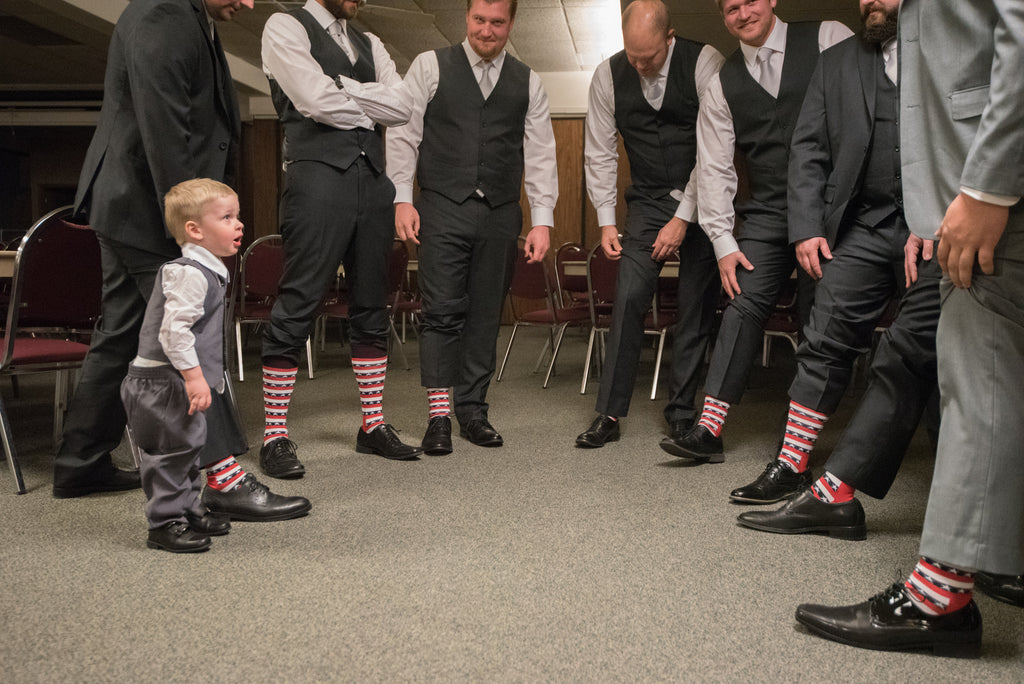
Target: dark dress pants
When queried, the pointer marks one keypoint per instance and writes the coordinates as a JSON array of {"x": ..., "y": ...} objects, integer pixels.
[
  {"x": 698, "y": 289},
  {"x": 96, "y": 418},
  {"x": 855, "y": 288},
  {"x": 332, "y": 216},
  {"x": 466, "y": 257},
  {"x": 902, "y": 379},
  {"x": 741, "y": 334}
]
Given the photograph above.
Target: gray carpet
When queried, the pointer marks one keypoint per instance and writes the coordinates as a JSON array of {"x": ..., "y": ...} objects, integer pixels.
[{"x": 534, "y": 562}]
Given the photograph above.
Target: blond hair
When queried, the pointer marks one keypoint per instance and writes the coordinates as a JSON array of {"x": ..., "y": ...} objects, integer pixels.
[{"x": 185, "y": 201}]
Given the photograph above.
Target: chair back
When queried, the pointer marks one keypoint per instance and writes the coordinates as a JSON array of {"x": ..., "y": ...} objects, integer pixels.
[
  {"x": 574, "y": 285},
  {"x": 261, "y": 269},
  {"x": 602, "y": 273},
  {"x": 398, "y": 269}
]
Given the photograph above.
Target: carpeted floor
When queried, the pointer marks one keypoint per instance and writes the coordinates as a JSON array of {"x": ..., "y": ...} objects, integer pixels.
[{"x": 533, "y": 562}]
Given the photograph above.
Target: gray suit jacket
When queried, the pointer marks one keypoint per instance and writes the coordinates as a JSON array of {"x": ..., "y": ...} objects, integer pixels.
[
  {"x": 831, "y": 140},
  {"x": 169, "y": 114},
  {"x": 962, "y": 105}
]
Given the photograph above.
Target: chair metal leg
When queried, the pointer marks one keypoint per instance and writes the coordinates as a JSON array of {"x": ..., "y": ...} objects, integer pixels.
[
  {"x": 657, "y": 364},
  {"x": 9, "y": 451},
  {"x": 60, "y": 405},
  {"x": 309, "y": 357},
  {"x": 238, "y": 346},
  {"x": 504, "y": 360},
  {"x": 548, "y": 344},
  {"x": 586, "y": 366},
  {"x": 401, "y": 347},
  {"x": 554, "y": 352}
]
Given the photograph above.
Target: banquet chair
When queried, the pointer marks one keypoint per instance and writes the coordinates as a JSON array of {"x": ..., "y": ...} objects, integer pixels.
[
  {"x": 602, "y": 274},
  {"x": 54, "y": 306}
]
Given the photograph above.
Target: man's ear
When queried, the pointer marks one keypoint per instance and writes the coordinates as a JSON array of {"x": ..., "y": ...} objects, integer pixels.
[{"x": 194, "y": 231}]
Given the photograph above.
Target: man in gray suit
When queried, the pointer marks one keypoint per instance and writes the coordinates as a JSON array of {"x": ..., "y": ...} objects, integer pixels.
[{"x": 962, "y": 134}]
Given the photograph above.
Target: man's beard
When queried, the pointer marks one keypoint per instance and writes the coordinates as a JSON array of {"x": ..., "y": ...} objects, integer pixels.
[{"x": 879, "y": 33}]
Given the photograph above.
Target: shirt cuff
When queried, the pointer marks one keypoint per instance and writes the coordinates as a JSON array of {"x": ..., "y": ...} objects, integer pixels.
[
  {"x": 725, "y": 245},
  {"x": 998, "y": 200},
  {"x": 403, "y": 193},
  {"x": 542, "y": 216},
  {"x": 606, "y": 216},
  {"x": 184, "y": 360}
]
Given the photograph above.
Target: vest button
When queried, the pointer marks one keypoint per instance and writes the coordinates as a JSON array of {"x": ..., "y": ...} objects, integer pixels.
[{"x": 223, "y": 146}]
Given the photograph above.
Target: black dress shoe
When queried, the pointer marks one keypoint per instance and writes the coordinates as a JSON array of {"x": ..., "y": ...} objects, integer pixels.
[
  {"x": 384, "y": 441},
  {"x": 209, "y": 523},
  {"x": 252, "y": 501},
  {"x": 604, "y": 429},
  {"x": 776, "y": 483},
  {"x": 1005, "y": 588},
  {"x": 437, "y": 440},
  {"x": 677, "y": 429},
  {"x": 113, "y": 481},
  {"x": 697, "y": 443},
  {"x": 481, "y": 433},
  {"x": 177, "y": 537},
  {"x": 806, "y": 513},
  {"x": 891, "y": 622},
  {"x": 279, "y": 459}
]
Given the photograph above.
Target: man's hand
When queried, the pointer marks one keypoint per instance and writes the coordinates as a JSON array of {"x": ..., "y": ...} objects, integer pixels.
[
  {"x": 407, "y": 222},
  {"x": 198, "y": 391},
  {"x": 537, "y": 243},
  {"x": 669, "y": 238},
  {"x": 610, "y": 242},
  {"x": 727, "y": 270},
  {"x": 915, "y": 246},
  {"x": 807, "y": 255},
  {"x": 968, "y": 234}
]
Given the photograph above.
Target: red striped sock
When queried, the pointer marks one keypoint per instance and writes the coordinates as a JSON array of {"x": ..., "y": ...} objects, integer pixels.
[
  {"x": 440, "y": 402},
  {"x": 939, "y": 588},
  {"x": 713, "y": 415},
  {"x": 278, "y": 384},
  {"x": 802, "y": 428},
  {"x": 225, "y": 474},
  {"x": 370, "y": 378},
  {"x": 831, "y": 489}
]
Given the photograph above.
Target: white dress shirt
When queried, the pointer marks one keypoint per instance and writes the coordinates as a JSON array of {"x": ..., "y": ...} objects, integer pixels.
[
  {"x": 184, "y": 289},
  {"x": 287, "y": 60},
  {"x": 601, "y": 159},
  {"x": 716, "y": 138},
  {"x": 540, "y": 171}
]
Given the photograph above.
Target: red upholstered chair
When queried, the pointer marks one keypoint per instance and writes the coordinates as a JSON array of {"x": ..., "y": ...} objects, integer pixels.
[
  {"x": 54, "y": 305},
  {"x": 602, "y": 274}
]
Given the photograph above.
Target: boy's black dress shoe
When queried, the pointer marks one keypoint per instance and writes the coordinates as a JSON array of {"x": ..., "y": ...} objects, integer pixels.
[
  {"x": 481, "y": 433},
  {"x": 252, "y": 501},
  {"x": 114, "y": 480},
  {"x": 697, "y": 443},
  {"x": 1005, "y": 588},
  {"x": 891, "y": 622},
  {"x": 603, "y": 430},
  {"x": 177, "y": 537},
  {"x": 805, "y": 513},
  {"x": 384, "y": 441},
  {"x": 209, "y": 523},
  {"x": 437, "y": 440},
  {"x": 776, "y": 483},
  {"x": 279, "y": 459}
]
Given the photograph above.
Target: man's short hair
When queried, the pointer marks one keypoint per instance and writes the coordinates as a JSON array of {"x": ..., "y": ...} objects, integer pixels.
[
  {"x": 185, "y": 201},
  {"x": 513, "y": 4},
  {"x": 661, "y": 20}
]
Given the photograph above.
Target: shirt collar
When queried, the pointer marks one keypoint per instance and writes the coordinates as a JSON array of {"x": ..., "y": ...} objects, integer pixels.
[
  {"x": 663, "y": 72},
  {"x": 322, "y": 15},
  {"x": 776, "y": 41},
  {"x": 204, "y": 257},
  {"x": 475, "y": 59}
]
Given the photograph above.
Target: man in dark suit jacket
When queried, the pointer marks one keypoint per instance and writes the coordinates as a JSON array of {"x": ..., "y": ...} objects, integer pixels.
[
  {"x": 847, "y": 222},
  {"x": 837, "y": 167}
]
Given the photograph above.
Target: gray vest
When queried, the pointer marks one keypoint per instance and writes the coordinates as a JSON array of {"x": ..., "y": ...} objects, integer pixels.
[
  {"x": 764, "y": 125},
  {"x": 208, "y": 330},
  {"x": 309, "y": 140},
  {"x": 880, "y": 193},
  {"x": 661, "y": 145},
  {"x": 469, "y": 143}
]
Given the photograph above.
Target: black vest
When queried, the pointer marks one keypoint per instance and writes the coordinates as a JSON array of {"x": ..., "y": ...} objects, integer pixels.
[
  {"x": 208, "y": 330},
  {"x": 661, "y": 145},
  {"x": 469, "y": 143},
  {"x": 309, "y": 140},
  {"x": 764, "y": 125},
  {"x": 881, "y": 193}
]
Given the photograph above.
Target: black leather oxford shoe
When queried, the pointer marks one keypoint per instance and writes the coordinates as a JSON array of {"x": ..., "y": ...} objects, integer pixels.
[
  {"x": 697, "y": 444},
  {"x": 279, "y": 458},
  {"x": 252, "y": 501},
  {"x": 776, "y": 483},
  {"x": 804, "y": 513},
  {"x": 1005, "y": 588},
  {"x": 437, "y": 440},
  {"x": 481, "y": 433},
  {"x": 209, "y": 523},
  {"x": 113, "y": 480},
  {"x": 384, "y": 441},
  {"x": 604, "y": 429},
  {"x": 889, "y": 621},
  {"x": 177, "y": 537}
]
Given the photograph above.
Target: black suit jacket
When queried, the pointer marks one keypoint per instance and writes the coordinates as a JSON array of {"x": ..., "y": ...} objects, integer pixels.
[
  {"x": 169, "y": 114},
  {"x": 831, "y": 141}
]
